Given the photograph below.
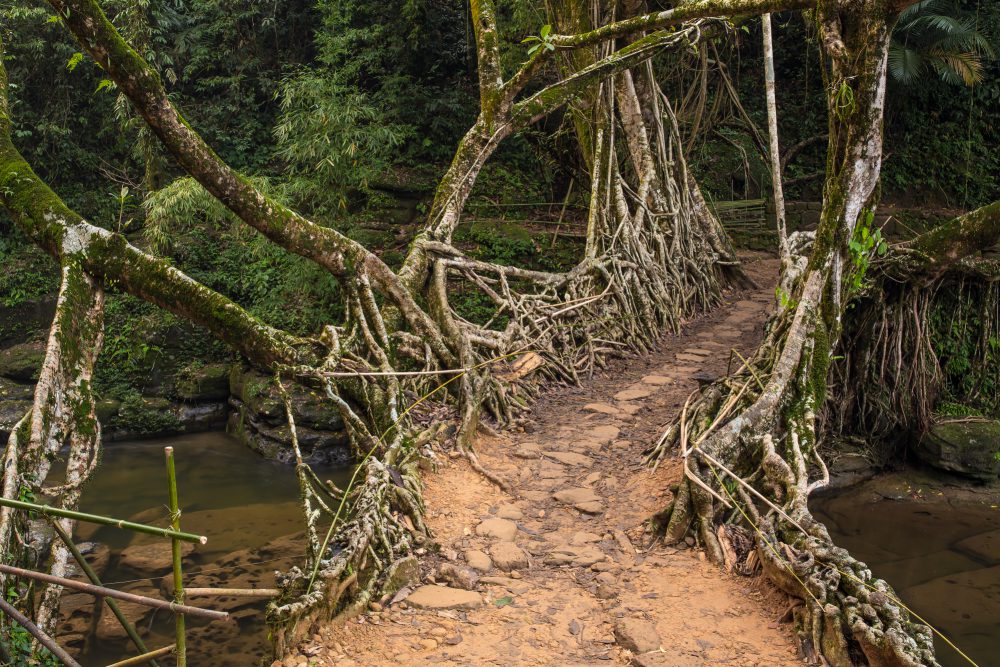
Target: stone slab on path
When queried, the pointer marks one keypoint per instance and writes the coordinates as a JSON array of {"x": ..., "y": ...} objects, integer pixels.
[
  {"x": 602, "y": 408},
  {"x": 657, "y": 380},
  {"x": 443, "y": 597},
  {"x": 632, "y": 394},
  {"x": 571, "y": 458}
]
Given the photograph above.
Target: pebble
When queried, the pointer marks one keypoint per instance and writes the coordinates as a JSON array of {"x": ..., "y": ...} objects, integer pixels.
[
  {"x": 510, "y": 512},
  {"x": 428, "y": 644}
]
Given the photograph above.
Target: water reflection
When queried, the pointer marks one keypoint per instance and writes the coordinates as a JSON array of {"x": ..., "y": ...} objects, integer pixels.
[{"x": 248, "y": 507}]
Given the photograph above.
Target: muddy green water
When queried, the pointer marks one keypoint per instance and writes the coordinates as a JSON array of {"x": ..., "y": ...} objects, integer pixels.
[
  {"x": 938, "y": 545},
  {"x": 247, "y": 506}
]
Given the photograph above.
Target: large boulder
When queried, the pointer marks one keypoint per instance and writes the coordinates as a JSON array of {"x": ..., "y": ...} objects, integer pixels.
[
  {"x": 967, "y": 448},
  {"x": 22, "y": 362}
]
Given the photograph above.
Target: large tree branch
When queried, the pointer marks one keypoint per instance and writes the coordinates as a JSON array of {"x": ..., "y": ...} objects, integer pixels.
[
  {"x": 60, "y": 231},
  {"x": 340, "y": 255},
  {"x": 932, "y": 253},
  {"x": 554, "y": 96},
  {"x": 685, "y": 11}
]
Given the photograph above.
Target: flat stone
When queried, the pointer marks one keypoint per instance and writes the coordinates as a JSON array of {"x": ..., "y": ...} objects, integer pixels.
[
  {"x": 571, "y": 458},
  {"x": 590, "y": 507},
  {"x": 153, "y": 558},
  {"x": 511, "y": 512},
  {"x": 631, "y": 408},
  {"x": 528, "y": 451},
  {"x": 581, "y": 556},
  {"x": 536, "y": 496},
  {"x": 549, "y": 470},
  {"x": 601, "y": 408},
  {"x": 443, "y": 597},
  {"x": 583, "y": 499},
  {"x": 576, "y": 495},
  {"x": 656, "y": 380},
  {"x": 508, "y": 556},
  {"x": 701, "y": 352},
  {"x": 502, "y": 529},
  {"x": 581, "y": 537},
  {"x": 478, "y": 560},
  {"x": 632, "y": 394},
  {"x": 683, "y": 356},
  {"x": 637, "y": 635},
  {"x": 604, "y": 433}
]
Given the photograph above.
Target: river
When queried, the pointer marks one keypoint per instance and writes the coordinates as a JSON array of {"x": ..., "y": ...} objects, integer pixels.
[
  {"x": 247, "y": 506},
  {"x": 937, "y": 543}
]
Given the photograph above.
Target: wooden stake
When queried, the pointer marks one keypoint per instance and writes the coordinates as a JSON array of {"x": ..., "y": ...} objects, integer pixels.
[
  {"x": 175, "y": 523},
  {"x": 37, "y": 633},
  {"x": 94, "y": 579}
]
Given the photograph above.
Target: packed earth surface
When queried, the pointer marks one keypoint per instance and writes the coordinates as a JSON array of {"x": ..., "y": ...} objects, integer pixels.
[{"x": 563, "y": 570}]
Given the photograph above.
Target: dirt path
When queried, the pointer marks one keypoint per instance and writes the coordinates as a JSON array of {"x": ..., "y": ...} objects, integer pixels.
[{"x": 559, "y": 570}]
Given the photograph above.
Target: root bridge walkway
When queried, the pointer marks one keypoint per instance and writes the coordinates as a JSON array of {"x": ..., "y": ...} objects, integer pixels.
[{"x": 560, "y": 572}]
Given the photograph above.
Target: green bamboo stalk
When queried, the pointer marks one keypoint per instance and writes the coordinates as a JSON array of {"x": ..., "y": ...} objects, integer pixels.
[
  {"x": 146, "y": 657},
  {"x": 48, "y": 510},
  {"x": 175, "y": 523},
  {"x": 94, "y": 579}
]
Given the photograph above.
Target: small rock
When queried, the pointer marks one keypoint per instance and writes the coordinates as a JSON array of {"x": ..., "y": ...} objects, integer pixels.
[
  {"x": 656, "y": 380},
  {"x": 502, "y": 529},
  {"x": 478, "y": 560},
  {"x": 375, "y": 606},
  {"x": 637, "y": 635},
  {"x": 438, "y": 631},
  {"x": 508, "y": 556},
  {"x": 458, "y": 576},
  {"x": 428, "y": 644},
  {"x": 510, "y": 512},
  {"x": 605, "y": 592},
  {"x": 443, "y": 597}
]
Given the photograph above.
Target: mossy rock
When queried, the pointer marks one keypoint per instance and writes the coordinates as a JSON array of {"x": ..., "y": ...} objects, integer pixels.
[
  {"x": 10, "y": 413},
  {"x": 209, "y": 382},
  {"x": 967, "y": 448},
  {"x": 312, "y": 408},
  {"x": 15, "y": 391},
  {"x": 22, "y": 362}
]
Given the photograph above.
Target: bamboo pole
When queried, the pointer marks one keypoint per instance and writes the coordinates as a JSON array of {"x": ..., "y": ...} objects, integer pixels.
[
  {"x": 145, "y": 657},
  {"x": 114, "y": 593},
  {"x": 94, "y": 579},
  {"x": 175, "y": 523},
  {"x": 232, "y": 592},
  {"x": 37, "y": 633},
  {"x": 48, "y": 510}
]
